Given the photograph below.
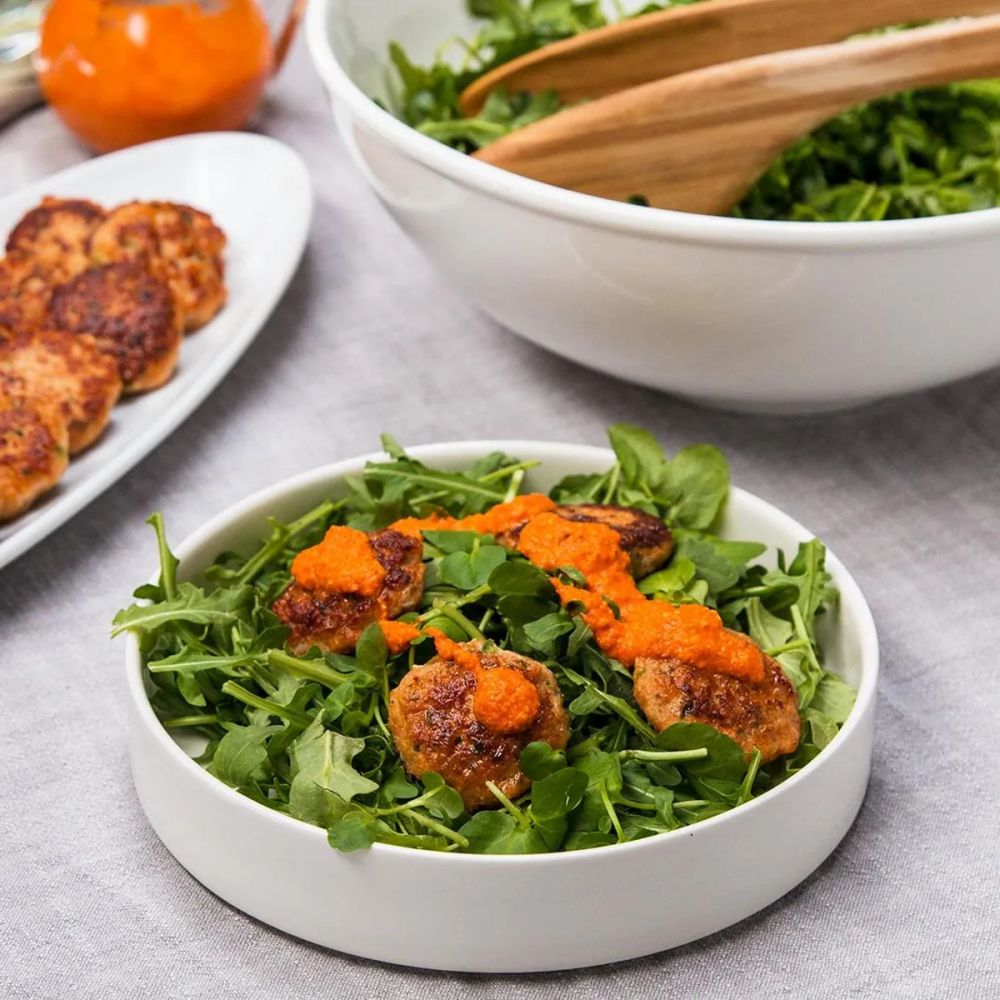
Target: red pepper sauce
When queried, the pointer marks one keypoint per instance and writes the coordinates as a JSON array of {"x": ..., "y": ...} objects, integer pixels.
[
  {"x": 644, "y": 628},
  {"x": 496, "y": 520},
  {"x": 343, "y": 563},
  {"x": 504, "y": 699}
]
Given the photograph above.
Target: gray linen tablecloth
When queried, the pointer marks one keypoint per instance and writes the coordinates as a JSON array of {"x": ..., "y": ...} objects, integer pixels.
[{"x": 370, "y": 338}]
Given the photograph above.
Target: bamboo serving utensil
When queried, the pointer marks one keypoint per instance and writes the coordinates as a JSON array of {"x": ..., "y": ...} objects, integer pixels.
[
  {"x": 679, "y": 39},
  {"x": 697, "y": 141}
]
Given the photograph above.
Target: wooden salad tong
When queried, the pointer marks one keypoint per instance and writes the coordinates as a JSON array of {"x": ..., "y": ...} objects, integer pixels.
[{"x": 697, "y": 140}]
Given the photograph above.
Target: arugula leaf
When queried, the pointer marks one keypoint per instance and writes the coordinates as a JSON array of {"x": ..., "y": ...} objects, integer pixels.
[
  {"x": 371, "y": 653},
  {"x": 834, "y": 698},
  {"x": 189, "y": 661},
  {"x": 190, "y": 690},
  {"x": 241, "y": 755},
  {"x": 327, "y": 758},
  {"x": 821, "y": 729},
  {"x": 222, "y": 607},
  {"x": 799, "y": 663},
  {"x": 168, "y": 561},
  {"x": 596, "y": 699},
  {"x": 809, "y": 578},
  {"x": 553, "y": 799},
  {"x": 542, "y": 632}
]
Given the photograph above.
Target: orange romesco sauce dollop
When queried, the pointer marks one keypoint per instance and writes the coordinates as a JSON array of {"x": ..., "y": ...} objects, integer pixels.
[
  {"x": 344, "y": 562},
  {"x": 504, "y": 700},
  {"x": 502, "y": 517},
  {"x": 688, "y": 632},
  {"x": 398, "y": 635}
]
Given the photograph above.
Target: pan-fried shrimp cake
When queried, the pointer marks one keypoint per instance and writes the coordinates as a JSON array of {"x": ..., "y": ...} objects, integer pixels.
[
  {"x": 448, "y": 716},
  {"x": 131, "y": 316},
  {"x": 645, "y": 538},
  {"x": 181, "y": 244},
  {"x": 760, "y": 715},
  {"x": 25, "y": 288},
  {"x": 57, "y": 234},
  {"x": 72, "y": 372},
  {"x": 34, "y": 446},
  {"x": 78, "y": 328},
  {"x": 348, "y": 582}
]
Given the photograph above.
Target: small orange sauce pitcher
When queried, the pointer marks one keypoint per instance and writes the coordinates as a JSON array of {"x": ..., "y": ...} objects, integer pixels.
[{"x": 121, "y": 72}]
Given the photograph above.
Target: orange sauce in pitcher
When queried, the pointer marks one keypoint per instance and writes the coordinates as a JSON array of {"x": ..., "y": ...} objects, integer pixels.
[{"x": 121, "y": 72}]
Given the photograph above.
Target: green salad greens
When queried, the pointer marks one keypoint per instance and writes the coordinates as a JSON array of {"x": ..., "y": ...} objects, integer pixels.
[
  {"x": 308, "y": 736},
  {"x": 920, "y": 153}
]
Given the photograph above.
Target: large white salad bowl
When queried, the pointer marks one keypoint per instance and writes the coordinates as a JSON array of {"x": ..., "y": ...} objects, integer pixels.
[
  {"x": 513, "y": 913},
  {"x": 749, "y": 315}
]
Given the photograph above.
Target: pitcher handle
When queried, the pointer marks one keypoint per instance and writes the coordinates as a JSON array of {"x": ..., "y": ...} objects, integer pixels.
[{"x": 287, "y": 35}]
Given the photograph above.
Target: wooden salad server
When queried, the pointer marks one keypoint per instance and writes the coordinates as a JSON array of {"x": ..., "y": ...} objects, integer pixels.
[
  {"x": 642, "y": 49},
  {"x": 698, "y": 141}
]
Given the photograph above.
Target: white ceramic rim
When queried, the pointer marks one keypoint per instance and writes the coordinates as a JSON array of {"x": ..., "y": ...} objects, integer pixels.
[
  {"x": 850, "y": 592},
  {"x": 619, "y": 216}
]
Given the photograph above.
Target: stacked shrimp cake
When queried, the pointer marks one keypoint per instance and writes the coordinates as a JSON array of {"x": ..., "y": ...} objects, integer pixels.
[{"x": 93, "y": 304}]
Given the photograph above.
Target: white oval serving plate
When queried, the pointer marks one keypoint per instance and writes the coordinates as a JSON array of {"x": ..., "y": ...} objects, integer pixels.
[
  {"x": 234, "y": 176},
  {"x": 525, "y": 913}
]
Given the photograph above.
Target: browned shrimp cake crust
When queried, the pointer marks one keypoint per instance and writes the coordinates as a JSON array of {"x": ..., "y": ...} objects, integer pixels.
[
  {"x": 130, "y": 314},
  {"x": 762, "y": 716},
  {"x": 57, "y": 234},
  {"x": 181, "y": 244},
  {"x": 71, "y": 371},
  {"x": 435, "y": 728},
  {"x": 334, "y": 621},
  {"x": 645, "y": 538},
  {"x": 25, "y": 287},
  {"x": 34, "y": 446}
]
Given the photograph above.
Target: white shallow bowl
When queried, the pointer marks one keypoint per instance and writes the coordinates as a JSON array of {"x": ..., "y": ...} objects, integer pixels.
[
  {"x": 750, "y": 315},
  {"x": 518, "y": 913}
]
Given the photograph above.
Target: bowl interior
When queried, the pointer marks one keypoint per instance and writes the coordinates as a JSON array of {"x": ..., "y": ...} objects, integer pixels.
[
  {"x": 360, "y": 32},
  {"x": 847, "y": 633}
]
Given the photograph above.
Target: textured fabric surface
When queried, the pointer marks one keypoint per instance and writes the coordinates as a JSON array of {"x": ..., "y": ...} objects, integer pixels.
[{"x": 369, "y": 338}]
